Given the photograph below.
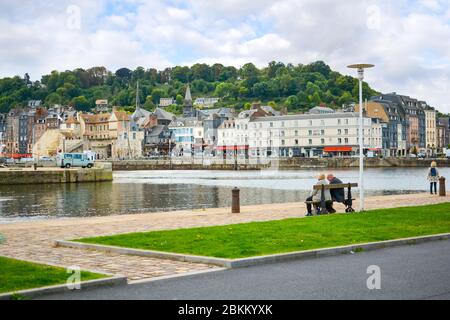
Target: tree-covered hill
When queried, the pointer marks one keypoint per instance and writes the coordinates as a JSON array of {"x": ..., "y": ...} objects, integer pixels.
[{"x": 296, "y": 87}]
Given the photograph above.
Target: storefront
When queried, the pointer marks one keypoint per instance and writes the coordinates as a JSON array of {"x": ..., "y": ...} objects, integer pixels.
[
  {"x": 340, "y": 151},
  {"x": 231, "y": 151}
]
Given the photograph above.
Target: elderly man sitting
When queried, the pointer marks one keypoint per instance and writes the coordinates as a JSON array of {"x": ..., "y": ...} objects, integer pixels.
[
  {"x": 316, "y": 194},
  {"x": 338, "y": 195}
]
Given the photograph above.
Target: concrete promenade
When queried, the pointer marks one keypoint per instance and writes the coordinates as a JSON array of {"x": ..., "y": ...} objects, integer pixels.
[{"x": 34, "y": 240}]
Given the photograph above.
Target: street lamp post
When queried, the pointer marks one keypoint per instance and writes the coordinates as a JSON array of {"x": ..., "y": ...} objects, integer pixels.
[{"x": 360, "y": 68}]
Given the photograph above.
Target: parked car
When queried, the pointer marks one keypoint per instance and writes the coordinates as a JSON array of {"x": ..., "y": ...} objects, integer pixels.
[
  {"x": 26, "y": 160},
  {"x": 46, "y": 159},
  {"x": 421, "y": 155},
  {"x": 447, "y": 154},
  {"x": 68, "y": 160},
  {"x": 412, "y": 155},
  {"x": 327, "y": 155}
]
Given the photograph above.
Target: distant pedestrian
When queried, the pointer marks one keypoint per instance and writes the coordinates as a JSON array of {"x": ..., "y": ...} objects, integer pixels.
[{"x": 433, "y": 177}]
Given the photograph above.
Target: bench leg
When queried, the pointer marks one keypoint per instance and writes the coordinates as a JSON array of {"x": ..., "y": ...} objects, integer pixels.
[{"x": 349, "y": 210}]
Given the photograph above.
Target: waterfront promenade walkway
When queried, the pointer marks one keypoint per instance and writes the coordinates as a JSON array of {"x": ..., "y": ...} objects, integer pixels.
[{"x": 34, "y": 240}]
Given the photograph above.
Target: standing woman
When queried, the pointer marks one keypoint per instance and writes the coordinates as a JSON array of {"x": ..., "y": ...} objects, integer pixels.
[{"x": 433, "y": 177}]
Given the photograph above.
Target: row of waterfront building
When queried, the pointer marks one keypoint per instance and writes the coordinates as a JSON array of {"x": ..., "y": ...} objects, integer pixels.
[{"x": 393, "y": 125}]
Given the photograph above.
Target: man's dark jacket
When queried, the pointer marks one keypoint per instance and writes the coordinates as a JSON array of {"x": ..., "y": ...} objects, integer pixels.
[{"x": 338, "y": 195}]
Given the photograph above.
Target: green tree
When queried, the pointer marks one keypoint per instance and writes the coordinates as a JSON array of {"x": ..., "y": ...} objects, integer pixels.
[
  {"x": 52, "y": 99},
  {"x": 157, "y": 94},
  {"x": 81, "y": 103},
  {"x": 148, "y": 104},
  {"x": 292, "y": 103},
  {"x": 179, "y": 99},
  {"x": 226, "y": 90},
  {"x": 181, "y": 74},
  {"x": 261, "y": 90}
]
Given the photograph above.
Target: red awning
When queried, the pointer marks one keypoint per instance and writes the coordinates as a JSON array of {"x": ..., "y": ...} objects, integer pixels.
[
  {"x": 338, "y": 149},
  {"x": 232, "y": 148},
  {"x": 16, "y": 155}
]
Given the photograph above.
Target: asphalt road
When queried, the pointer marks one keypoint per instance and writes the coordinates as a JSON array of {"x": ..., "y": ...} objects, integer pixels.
[{"x": 408, "y": 272}]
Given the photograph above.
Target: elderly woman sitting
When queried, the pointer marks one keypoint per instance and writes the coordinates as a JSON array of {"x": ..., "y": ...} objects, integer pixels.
[{"x": 316, "y": 194}]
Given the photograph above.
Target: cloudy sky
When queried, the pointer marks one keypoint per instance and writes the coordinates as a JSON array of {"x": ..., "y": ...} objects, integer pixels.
[{"x": 409, "y": 41}]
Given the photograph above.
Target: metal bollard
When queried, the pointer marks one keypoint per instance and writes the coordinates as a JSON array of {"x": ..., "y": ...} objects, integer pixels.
[
  {"x": 235, "y": 201},
  {"x": 442, "y": 191}
]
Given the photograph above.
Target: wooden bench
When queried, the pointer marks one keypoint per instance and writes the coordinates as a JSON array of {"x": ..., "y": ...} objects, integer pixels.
[{"x": 322, "y": 204}]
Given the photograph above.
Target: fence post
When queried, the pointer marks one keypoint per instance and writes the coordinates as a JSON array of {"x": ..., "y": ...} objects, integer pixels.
[
  {"x": 235, "y": 201},
  {"x": 442, "y": 191}
]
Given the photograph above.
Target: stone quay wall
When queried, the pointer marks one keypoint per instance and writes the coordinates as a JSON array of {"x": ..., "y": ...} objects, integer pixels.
[
  {"x": 282, "y": 164},
  {"x": 49, "y": 176}
]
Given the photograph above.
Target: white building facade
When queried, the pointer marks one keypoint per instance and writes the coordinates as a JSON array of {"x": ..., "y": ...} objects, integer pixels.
[
  {"x": 308, "y": 135},
  {"x": 430, "y": 131}
]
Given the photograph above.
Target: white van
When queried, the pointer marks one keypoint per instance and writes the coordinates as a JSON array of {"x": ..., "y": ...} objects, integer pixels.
[{"x": 68, "y": 160}]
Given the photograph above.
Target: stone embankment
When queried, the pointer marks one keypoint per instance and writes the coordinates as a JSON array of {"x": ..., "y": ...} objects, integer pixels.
[
  {"x": 282, "y": 164},
  {"x": 13, "y": 176}
]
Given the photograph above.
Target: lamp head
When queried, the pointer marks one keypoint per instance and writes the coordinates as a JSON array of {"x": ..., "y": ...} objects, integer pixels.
[{"x": 361, "y": 67}]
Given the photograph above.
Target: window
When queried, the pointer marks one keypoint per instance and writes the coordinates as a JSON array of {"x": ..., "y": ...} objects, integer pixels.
[
  {"x": 310, "y": 141},
  {"x": 322, "y": 141},
  {"x": 296, "y": 142},
  {"x": 339, "y": 140},
  {"x": 283, "y": 142},
  {"x": 339, "y": 131},
  {"x": 296, "y": 132},
  {"x": 271, "y": 124}
]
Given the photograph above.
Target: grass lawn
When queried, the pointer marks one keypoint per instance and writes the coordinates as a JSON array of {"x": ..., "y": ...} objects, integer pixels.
[
  {"x": 16, "y": 275},
  {"x": 262, "y": 238}
]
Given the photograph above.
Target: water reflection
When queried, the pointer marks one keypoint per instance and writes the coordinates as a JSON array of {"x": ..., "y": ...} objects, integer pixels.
[{"x": 152, "y": 191}]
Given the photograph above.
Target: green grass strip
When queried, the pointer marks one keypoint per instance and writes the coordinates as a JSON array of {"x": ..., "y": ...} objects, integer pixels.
[
  {"x": 282, "y": 236},
  {"x": 16, "y": 275}
]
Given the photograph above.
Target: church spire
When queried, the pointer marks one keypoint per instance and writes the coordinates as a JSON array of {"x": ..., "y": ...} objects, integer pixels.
[
  {"x": 188, "y": 108},
  {"x": 188, "y": 96},
  {"x": 137, "y": 96}
]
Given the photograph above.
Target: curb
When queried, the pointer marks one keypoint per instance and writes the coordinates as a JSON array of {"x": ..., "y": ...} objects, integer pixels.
[
  {"x": 146, "y": 253},
  {"x": 34, "y": 293},
  {"x": 247, "y": 262}
]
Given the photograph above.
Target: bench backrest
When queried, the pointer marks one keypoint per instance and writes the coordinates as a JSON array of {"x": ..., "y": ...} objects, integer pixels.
[{"x": 336, "y": 186}]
